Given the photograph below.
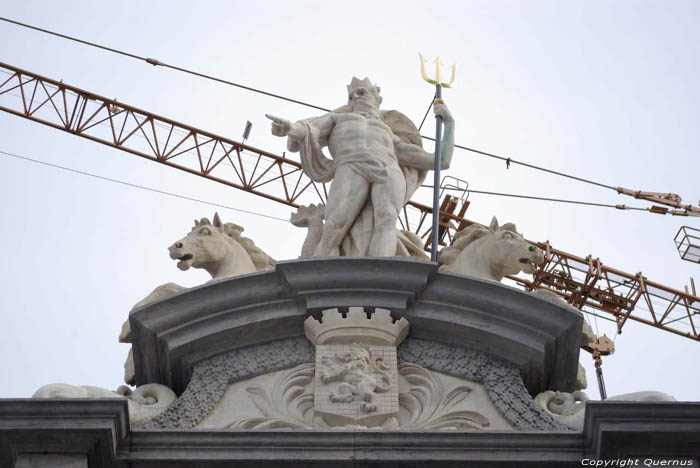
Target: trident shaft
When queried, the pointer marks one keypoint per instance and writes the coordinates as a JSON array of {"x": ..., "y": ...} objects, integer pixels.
[{"x": 438, "y": 136}]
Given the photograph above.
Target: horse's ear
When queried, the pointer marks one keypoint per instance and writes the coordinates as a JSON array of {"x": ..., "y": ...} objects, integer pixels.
[
  {"x": 196, "y": 223},
  {"x": 217, "y": 220},
  {"x": 493, "y": 227}
]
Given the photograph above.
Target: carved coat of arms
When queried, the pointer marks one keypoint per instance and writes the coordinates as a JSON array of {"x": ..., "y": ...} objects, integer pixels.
[{"x": 356, "y": 377}]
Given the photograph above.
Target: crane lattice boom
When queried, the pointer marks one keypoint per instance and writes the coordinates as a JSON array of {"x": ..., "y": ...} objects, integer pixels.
[{"x": 584, "y": 282}]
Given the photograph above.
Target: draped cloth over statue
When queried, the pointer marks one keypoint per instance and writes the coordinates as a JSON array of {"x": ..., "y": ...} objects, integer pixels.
[{"x": 319, "y": 168}]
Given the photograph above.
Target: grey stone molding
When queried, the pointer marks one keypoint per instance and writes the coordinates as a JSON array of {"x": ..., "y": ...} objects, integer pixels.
[
  {"x": 95, "y": 428},
  {"x": 98, "y": 429},
  {"x": 624, "y": 428},
  {"x": 500, "y": 378},
  {"x": 361, "y": 281},
  {"x": 39, "y": 460},
  {"x": 540, "y": 337},
  {"x": 320, "y": 449}
]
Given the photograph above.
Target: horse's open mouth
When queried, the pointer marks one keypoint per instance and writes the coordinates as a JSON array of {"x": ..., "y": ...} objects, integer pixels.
[
  {"x": 529, "y": 265},
  {"x": 185, "y": 262}
]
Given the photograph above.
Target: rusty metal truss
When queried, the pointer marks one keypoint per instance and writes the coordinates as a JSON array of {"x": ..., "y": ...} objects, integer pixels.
[
  {"x": 153, "y": 137},
  {"x": 589, "y": 285},
  {"x": 584, "y": 282}
]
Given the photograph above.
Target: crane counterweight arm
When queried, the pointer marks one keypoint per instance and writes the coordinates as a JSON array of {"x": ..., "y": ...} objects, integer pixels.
[{"x": 669, "y": 199}]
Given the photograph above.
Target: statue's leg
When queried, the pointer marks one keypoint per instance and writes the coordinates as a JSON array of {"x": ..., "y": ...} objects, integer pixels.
[
  {"x": 348, "y": 194},
  {"x": 387, "y": 200}
]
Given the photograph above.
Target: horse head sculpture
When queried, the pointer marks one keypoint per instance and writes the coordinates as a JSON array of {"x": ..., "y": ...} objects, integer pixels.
[
  {"x": 220, "y": 249},
  {"x": 490, "y": 253}
]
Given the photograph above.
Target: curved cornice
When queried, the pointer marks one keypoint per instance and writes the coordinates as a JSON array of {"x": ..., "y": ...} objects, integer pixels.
[{"x": 542, "y": 338}]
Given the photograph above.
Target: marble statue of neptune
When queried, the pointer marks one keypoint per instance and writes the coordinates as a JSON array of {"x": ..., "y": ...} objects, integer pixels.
[{"x": 377, "y": 162}]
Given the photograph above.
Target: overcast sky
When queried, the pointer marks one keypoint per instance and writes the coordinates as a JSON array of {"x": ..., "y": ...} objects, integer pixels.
[{"x": 603, "y": 90}]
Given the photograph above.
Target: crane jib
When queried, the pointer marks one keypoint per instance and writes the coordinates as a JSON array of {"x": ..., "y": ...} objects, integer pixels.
[{"x": 586, "y": 283}]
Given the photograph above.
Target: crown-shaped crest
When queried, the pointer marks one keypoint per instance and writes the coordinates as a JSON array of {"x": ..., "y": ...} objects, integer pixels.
[
  {"x": 356, "y": 327},
  {"x": 356, "y": 83}
]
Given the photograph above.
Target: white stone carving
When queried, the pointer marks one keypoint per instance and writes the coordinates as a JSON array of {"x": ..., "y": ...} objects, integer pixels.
[
  {"x": 285, "y": 399},
  {"x": 220, "y": 249},
  {"x": 356, "y": 385},
  {"x": 310, "y": 217},
  {"x": 356, "y": 327},
  {"x": 581, "y": 382},
  {"x": 431, "y": 405},
  {"x": 567, "y": 408},
  {"x": 144, "y": 402},
  {"x": 353, "y": 370},
  {"x": 356, "y": 381},
  {"x": 377, "y": 164},
  {"x": 570, "y": 408},
  {"x": 490, "y": 253},
  {"x": 288, "y": 405},
  {"x": 408, "y": 244},
  {"x": 277, "y": 400}
]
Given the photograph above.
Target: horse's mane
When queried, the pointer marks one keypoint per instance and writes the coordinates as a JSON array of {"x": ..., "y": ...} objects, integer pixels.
[
  {"x": 465, "y": 237},
  {"x": 260, "y": 259}
]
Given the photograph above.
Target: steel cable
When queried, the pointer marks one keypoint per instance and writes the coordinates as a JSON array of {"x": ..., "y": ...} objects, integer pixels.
[{"x": 155, "y": 62}]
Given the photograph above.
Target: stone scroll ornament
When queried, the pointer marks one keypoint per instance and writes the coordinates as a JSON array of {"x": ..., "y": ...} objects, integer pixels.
[
  {"x": 356, "y": 376},
  {"x": 144, "y": 402},
  {"x": 570, "y": 408}
]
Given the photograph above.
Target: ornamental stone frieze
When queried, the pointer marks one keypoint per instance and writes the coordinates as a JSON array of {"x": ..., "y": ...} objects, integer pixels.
[{"x": 355, "y": 343}]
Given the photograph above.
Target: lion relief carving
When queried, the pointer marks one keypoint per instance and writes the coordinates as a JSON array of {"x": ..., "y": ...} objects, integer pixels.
[{"x": 354, "y": 370}]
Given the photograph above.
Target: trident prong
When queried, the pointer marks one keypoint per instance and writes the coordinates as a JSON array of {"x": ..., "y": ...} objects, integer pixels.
[
  {"x": 452, "y": 78},
  {"x": 422, "y": 70},
  {"x": 436, "y": 81},
  {"x": 437, "y": 69}
]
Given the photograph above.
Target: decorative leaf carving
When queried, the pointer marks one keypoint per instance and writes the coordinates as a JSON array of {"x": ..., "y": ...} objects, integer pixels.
[
  {"x": 430, "y": 408},
  {"x": 289, "y": 405}
]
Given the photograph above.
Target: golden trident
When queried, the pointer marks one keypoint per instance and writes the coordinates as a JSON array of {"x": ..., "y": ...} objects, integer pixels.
[
  {"x": 438, "y": 134},
  {"x": 436, "y": 81}
]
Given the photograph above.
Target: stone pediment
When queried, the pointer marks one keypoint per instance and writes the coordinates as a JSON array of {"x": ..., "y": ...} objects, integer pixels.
[{"x": 539, "y": 337}]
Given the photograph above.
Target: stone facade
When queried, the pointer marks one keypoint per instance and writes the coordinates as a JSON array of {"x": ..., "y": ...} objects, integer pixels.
[
  {"x": 460, "y": 360},
  {"x": 98, "y": 430}
]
